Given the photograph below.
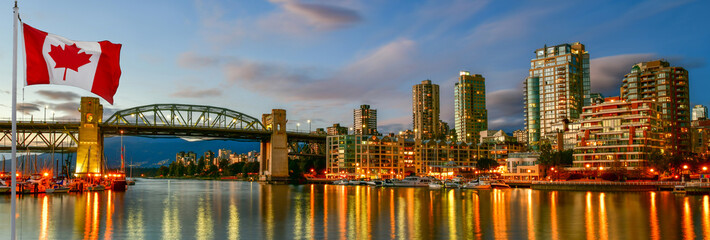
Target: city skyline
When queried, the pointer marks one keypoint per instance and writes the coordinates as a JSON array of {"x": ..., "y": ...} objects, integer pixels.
[{"x": 320, "y": 66}]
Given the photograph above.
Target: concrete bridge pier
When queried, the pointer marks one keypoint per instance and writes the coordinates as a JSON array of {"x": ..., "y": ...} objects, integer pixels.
[
  {"x": 273, "y": 167},
  {"x": 89, "y": 153}
]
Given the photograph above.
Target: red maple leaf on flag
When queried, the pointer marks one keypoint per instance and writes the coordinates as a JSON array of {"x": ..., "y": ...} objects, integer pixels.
[{"x": 68, "y": 58}]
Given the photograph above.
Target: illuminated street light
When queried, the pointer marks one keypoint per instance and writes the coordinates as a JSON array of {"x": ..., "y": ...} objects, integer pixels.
[
  {"x": 685, "y": 166},
  {"x": 705, "y": 168},
  {"x": 297, "y": 125},
  {"x": 309, "y": 125}
]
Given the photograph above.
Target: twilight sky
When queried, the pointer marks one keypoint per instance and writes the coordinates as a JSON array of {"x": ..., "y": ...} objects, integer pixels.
[{"x": 321, "y": 59}]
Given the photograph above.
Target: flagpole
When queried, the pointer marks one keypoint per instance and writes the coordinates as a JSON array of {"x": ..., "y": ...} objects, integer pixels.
[{"x": 16, "y": 17}]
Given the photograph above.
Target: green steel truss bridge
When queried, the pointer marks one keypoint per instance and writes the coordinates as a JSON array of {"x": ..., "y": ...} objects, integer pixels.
[{"x": 176, "y": 120}]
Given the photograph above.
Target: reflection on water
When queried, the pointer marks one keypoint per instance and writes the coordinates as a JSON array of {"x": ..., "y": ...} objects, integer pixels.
[{"x": 184, "y": 209}]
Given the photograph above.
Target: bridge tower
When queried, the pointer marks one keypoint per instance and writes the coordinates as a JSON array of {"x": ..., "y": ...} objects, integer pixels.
[
  {"x": 89, "y": 154},
  {"x": 274, "y": 152}
]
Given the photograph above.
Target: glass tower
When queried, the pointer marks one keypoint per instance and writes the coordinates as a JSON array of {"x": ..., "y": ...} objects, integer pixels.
[
  {"x": 470, "y": 115},
  {"x": 556, "y": 88}
]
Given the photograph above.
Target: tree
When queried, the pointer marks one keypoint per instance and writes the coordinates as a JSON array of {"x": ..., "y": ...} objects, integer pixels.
[
  {"x": 251, "y": 167},
  {"x": 236, "y": 168},
  {"x": 485, "y": 164},
  {"x": 546, "y": 154},
  {"x": 200, "y": 166},
  {"x": 566, "y": 158},
  {"x": 162, "y": 171},
  {"x": 224, "y": 166}
]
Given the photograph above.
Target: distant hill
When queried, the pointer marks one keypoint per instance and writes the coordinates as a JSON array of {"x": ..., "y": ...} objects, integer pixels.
[
  {"x": 150, "y": 152},
  {"x": 154, "y": 152}
]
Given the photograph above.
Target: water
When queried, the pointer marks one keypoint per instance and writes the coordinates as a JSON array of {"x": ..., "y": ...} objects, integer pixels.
[{"x": 187, "y": 209}]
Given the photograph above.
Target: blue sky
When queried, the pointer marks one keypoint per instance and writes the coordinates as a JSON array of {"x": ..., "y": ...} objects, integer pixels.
[{"x": 321, "y": 59}]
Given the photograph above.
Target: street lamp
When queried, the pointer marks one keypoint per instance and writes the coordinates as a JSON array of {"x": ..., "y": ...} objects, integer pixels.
[
  {"x": 309, "y": 125},
  {"x": 45, "y": 113},
  {"x": 52, "y": 116},
  {"x": 297, "y": 125}
]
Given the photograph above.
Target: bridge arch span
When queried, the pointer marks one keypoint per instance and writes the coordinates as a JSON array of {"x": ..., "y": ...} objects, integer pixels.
[{"x": 183, "y": 115}]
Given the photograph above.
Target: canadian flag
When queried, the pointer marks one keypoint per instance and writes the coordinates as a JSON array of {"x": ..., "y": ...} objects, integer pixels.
[{"x": 52, "y": 59}]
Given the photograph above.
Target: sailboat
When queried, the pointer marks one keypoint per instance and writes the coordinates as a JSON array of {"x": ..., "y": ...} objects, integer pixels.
[
  {"x": 59, "y": 187},
  {"x": 119, "y": 183},
  {"x": 131, "y": 181},
  {"x": 95, "y": 184}
]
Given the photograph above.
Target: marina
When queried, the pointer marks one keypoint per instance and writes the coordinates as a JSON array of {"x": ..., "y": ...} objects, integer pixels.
[{"x": 199, "y": 209}]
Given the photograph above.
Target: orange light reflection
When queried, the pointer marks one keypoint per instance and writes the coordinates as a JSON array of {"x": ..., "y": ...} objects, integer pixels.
[
  {"x": 688, "y": 232},
  {"x": 655, "y": 230},
  {"x": 45, "y": 218},
  {"x": 589, "y": 217},
  {"x": 603, "y": 222}
]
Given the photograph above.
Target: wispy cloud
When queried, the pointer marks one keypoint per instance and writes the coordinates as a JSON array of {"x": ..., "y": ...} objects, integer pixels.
[
  {"x": 319, "y": 16},
  {"x": 192, "y": 60},
  {"x": 384, "y": 68},
  {"x": 290, "y": 17},
  {"x": 505, "y": 109},
  {"x": 27, "y": 108},
  {"x": 59, "y": 95},
  {"x": 606, "y": 73},
  {"x": 197, "y": 93}
]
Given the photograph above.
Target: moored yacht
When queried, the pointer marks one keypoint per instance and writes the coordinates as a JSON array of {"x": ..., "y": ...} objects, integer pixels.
[
  {"x": 452, "y": 184},
  {"x": 390, "y": 182},
  {"x": 341, "y": 182},
  {"x": 485, "y": 184},
  {"x": 414, "y": 181},
  {"x": 436, "y": 184},
  {"x": 374, "y": 182}
]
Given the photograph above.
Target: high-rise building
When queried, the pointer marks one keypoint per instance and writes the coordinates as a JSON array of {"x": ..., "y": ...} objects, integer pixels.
[
  {"x": 556, "y": 88},
  {"x": 444, "y": 131},
  {"x": 668, "y": 86},
  {"x": 365, "y": 120},
  {"x": 618, "y": 133},
  {"x": 471, "y": 116},
  {"x": 700, "y": 137},
  {"x": 425, "y": 110},
  {"x": 596, "y": 97},
  {"x": 521, "y": 135},
  {"x": 336, "y": 129},
  {"x": 700, "y": 112}
]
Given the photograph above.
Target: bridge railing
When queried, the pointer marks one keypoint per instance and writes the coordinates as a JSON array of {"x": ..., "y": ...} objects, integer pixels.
[{"x": 176, "y": 115}]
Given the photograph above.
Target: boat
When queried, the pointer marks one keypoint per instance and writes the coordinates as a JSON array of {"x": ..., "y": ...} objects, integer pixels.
[
  {"x": 119, "y": 185},
  {"x": 679, "y": 189},
  {"x": 96, "y": 187},
  {"x": 356, "y": 182},
  {"x": 390, "y": 182},
  {"x": 414, "y": 181},
  {"x": 341, "y": 182},
  {"x": 376, "y": 183},
  {"x": 436, "y": 185},
  {"x": 452, "y": 184},
  {"x": 130, "y": 182},
  {"x": 57, "y": 189},
  {"x": 3, "y": 187},
  {"x": 485, "y": 184},
  {"x": 498, "y": 184}
]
